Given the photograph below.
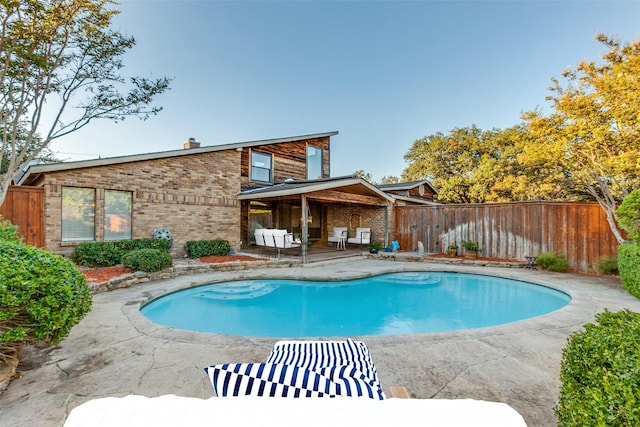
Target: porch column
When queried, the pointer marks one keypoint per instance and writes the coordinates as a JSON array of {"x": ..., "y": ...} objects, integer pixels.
[{"x": 304, "y": 228}]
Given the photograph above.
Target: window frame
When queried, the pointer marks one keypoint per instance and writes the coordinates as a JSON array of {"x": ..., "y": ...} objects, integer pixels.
[
  {"x": 74, "y": 237},
  {"x": 319, "y": 166},
  {"x": 253, "y": 167},
  {"x": 106, "y": 212}
]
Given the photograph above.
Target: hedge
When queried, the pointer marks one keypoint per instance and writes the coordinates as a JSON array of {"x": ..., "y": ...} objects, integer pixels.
[
  {"x": 107, "y": 254},
  {"x": 600, "y": 373},
  {"x": 628, "y": 215},
  {"x": 199, "y": 248},
  {"x": 148, "y": 260},
  {"x": 9, "y": 231},
  {"x": 42, "y": 296},
  {"x": 629, "y": 267}
]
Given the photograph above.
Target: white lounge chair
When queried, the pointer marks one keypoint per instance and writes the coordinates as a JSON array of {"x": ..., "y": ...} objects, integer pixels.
[
  {"x": 339, "y": 235},
  {"x": 259, "y": 234},
  {"x": 362, "y": 237},
  {"x": 284, "y": 241}
]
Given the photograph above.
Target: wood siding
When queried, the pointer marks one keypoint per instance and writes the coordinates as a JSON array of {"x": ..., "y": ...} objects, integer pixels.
[
  {"x": 511, "y": 230},
  {"x": 24, "y": 207},
  {"x": 289, "y": 160}
]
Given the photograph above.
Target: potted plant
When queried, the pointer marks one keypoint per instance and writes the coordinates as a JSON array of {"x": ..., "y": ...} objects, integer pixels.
[
  {"x": 375, "y": 247},
  {"x": 452, "y": 251},
  {"x": 471, "y": 248}
]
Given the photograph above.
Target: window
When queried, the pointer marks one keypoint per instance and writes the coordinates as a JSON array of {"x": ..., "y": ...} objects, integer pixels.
[
  {"x": 260, "y": 167},
  {"x": 314, "y": 162},
  {"x": 78, "y": 213},
  {"x": 117, "y": 215}
]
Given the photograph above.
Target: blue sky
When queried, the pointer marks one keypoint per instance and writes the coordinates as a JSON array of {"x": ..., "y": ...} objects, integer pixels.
[{"x": 381, "y": 73}]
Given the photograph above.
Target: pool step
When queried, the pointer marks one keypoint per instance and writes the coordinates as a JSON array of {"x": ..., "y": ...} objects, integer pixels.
[
  {"x": 414, "y": 279},
  {"x": 238, "y": 290}
]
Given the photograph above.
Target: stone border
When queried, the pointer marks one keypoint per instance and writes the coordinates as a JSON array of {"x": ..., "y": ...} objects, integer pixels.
[
  {"x": 411, "y": 257},
  {"x": 130, "y": 279}
]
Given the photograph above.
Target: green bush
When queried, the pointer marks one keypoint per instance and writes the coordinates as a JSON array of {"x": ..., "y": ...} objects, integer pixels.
[
  {"x": 600, "y": 373},
  {"x": 629, "y": 267},
  {"x": 147, "y": 260},
  {"x": 198, "y": 248},
  {"x": 608, "y": 265},
  {"x": 9, "y": 231},
  {"x": 106, "y": 254},
  {"x": 628, "y": 215},
  {"x": 553, "y": 261},
  {"x": 42, "y": 296}
]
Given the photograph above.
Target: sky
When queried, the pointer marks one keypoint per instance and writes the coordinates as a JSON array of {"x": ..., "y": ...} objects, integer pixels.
[{"x": 381, "y": 73}]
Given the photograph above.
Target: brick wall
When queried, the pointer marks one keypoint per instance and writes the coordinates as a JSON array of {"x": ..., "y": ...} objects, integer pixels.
[
  {"x": 346, "y": 216},
  {"x": 193, "y": 196}
]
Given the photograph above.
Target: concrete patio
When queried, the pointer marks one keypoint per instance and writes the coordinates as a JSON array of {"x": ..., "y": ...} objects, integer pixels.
[{"x": 115, "y": 351}]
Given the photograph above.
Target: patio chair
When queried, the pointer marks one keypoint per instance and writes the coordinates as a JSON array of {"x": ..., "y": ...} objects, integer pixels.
[
  {"x": 269, "y": 243},
  {"x": 362, "y": 237},
  {"x": 339, "y": 235},
  {"x": 284, "y": 241},
  {"x": 259, "y": 234}
]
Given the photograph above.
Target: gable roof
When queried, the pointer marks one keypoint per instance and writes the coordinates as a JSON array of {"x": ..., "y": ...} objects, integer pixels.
[
  {"x": 54, "y": 167},
  {"x": 349, "y": 184},
  {"x": 401, "y": 186}
]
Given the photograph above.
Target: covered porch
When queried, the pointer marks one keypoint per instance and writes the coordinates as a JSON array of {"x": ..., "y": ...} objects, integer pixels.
[{"x": 309, "y": 210}]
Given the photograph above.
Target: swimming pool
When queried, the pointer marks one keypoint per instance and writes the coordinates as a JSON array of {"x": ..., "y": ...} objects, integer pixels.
[{"x": 390, "y": 304}]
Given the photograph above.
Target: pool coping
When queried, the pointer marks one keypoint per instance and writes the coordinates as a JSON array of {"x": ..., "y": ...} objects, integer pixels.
[{"x": 115, "y": 350}]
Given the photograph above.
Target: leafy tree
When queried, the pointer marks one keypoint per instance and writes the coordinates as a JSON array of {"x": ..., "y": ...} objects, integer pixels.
[
  {"x": 470, "y": 165},
  {"x": 60, "y": 60},
  {"x": 593, "y": 132},
  {"x": 391, "y": 179},
  {"x": 45, "y": 155},
  {"x": 364, "y": 175}
]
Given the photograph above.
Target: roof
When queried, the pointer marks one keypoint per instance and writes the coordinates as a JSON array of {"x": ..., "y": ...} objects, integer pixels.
[
  {"x": 407, "y": 186},
  {"x": 350, "y": 184},
  {"x": 54, "y": 167}
]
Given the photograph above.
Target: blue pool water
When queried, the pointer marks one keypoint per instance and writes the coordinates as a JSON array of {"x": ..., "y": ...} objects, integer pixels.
[{"x": 399, "y": 303}]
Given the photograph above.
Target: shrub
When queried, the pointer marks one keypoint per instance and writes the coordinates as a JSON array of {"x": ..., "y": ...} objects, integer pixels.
[
  {"x": 608, "y": 265},
  {"x": 600, "y": 373},
  {"x": 9, "y": 231},
  {"x": 198, "y": 248},
  {"x": 106, "y": 254},
  {"x": 628, "y": 215},
  {"x": 553, "y": 261},
  {"x": 629, "y": 267},
  {"x": 471, "y": 245},
  {"x": 42, "y": 296},
  {"x": 147, "y": 260}
]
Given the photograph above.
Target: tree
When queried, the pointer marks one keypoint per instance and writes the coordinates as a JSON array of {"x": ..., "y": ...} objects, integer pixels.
[
  {"x": 45, "y": 155},
  {"x": 391, "y": 179},
  {"x": 59, "y": 70},
  {"x": 364, "y": 175},
  {"x": 470, "y": 165},
  {"x": 593, "y": 132}
]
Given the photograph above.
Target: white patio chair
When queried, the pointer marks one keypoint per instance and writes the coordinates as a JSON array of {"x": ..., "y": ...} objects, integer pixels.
[
  {"x": 362, "y": 237},
  {"x": 284, "y": 241},
  {"x": 338, "y": 234}
]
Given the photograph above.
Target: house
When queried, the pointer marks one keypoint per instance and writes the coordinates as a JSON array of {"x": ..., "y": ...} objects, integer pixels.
[
  {"x": 213, "y": 192},
  {"x": 411, "y": 193}
]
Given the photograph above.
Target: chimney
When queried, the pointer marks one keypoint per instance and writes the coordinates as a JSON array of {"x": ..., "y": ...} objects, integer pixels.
[{"x": 191, "y": 143}]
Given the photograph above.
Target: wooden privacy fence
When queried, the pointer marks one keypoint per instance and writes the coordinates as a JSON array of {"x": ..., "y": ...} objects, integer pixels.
[
  {"x": 24, "y": 206},
  {"x": 511, "y": 230}
]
